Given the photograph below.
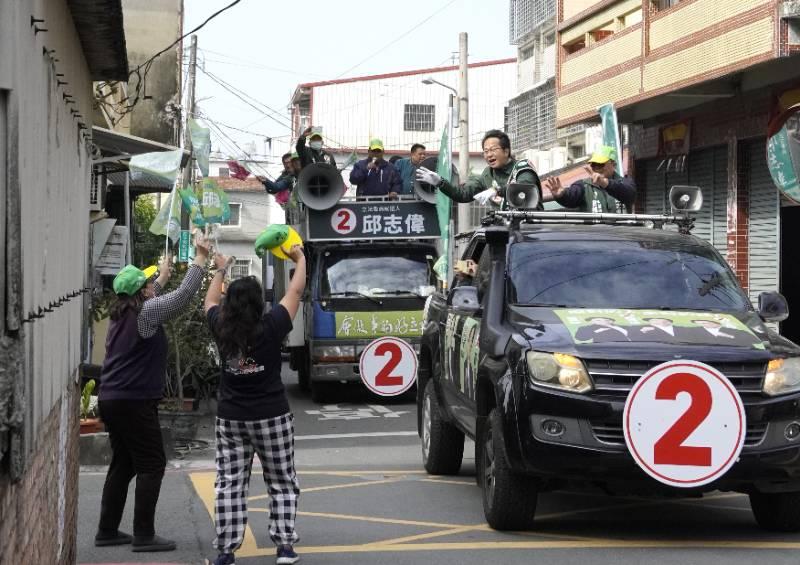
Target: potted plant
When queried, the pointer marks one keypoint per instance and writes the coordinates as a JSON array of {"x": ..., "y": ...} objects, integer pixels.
[{"x": 89, "y": 421}]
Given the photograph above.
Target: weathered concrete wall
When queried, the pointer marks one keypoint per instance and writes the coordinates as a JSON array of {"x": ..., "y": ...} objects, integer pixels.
[{"x": 151, "y": 25}]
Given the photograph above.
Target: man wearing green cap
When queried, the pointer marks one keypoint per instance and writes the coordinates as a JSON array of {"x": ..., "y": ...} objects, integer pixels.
[
  {"x": 603, "y": 191},
  {"x": 375, "y": 176},
  {"x": 314, "y": 153}
]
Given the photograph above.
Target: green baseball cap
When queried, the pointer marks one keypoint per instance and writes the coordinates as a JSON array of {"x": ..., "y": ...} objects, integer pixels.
[
  {"x": 603, "y": 155},
  {"x": 129, "y": 280},
  {"x": 375, "y": 143},
  {"x": 315, "y": 134},
  {"x": 295, "y": 155}
]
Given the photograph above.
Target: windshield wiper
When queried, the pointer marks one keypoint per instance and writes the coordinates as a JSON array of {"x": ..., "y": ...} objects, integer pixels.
[
  {"x": 356, "y": 293},
  {"x": 399, "y": 292}
]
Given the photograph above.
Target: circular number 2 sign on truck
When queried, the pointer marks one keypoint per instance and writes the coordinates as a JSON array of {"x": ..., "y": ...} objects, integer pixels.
[
  {"x": 684, "y": 423},
  {"x": 388, "y": 366}
]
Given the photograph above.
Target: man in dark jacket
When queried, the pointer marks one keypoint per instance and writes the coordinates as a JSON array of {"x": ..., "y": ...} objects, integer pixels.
[
  {"x": 314, "y": 153},
  {"x": 375, "y": 176},
  {"x": 490, "y": 186},
  {"x": 603, "y": 191}
]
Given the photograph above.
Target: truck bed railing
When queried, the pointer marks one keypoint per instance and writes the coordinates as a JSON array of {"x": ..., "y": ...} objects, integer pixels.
[{"x": 514, "y": 218}]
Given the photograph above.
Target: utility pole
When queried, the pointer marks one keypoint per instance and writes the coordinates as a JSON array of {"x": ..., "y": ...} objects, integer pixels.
[
  {"x": 188, "y": 172},
  {"x": 463, "y": 128}
]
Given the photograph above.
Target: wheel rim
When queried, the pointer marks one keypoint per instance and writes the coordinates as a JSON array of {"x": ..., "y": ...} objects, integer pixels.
[
  {"x": 426, "y": 426},
  {"x": 488, "y": 466}
]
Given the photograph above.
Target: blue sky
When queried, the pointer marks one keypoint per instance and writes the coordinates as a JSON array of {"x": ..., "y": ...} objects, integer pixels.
[{"x": 265, "y": 50}]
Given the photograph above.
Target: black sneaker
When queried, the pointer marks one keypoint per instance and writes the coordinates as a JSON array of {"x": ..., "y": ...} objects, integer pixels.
[
  {"x": 152, "y": 543},
  {"x": 115, "y": 538},
  {"x": 286, "y": 555},
  {"x": 223, "y": 559}
]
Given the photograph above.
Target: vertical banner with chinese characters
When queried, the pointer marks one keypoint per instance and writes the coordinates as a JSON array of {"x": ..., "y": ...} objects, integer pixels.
[
  {"x": 444, "y": 168},
  {"x": 608, "y": 117},
  {"x": 374, "y": 220}
]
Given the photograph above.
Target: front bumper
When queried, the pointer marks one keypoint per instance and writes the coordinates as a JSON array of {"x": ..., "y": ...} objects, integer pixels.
[
  {"x": 323, "y": 371},
  {"x": 591, "y": 448}
]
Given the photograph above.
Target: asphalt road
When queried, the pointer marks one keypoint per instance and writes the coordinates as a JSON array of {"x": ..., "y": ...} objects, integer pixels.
[{"x": 367, "y": 500}]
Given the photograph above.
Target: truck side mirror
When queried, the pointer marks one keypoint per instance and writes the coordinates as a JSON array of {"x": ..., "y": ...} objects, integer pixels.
[
  {"x": 772, "y": 307},
  {"x": 464, "y": 300}
]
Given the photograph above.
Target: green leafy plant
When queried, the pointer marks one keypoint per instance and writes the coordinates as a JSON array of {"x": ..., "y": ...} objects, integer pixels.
[
  {"x": 86, "y": 399},
  {"x": 148, "y": 247}
]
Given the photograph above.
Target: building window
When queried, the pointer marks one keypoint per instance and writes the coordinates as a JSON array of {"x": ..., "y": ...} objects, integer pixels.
[
  {"x": 235, "y": 219},
  {"x": 241, "y": 268},
  {"x": 224, "y": 172},
  {"x": 419, "y": 117},
  {"x": 664, "y": 4},
  {"x": 575, "y": 46},
  {"x": 527, "y": 52}
]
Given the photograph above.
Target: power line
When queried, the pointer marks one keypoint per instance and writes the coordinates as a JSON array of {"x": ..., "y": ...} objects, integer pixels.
[{"x": 404, "y": 34}]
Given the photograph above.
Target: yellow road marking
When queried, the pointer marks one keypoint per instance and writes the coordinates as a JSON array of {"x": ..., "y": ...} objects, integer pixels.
[
  {"x": 204, "y": 485},
  {"x": 519, "y": 545},
  {"x": 449, "y": 532},
  {"x": 359, "y": 473},
  {"x": 333, "y": 487}
]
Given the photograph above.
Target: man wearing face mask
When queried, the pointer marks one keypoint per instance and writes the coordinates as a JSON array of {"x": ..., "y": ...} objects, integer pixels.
[
  {"x": 314, "y": 153},
  {"x": 375, "y": 176},
  {"x": 490, "y": 186}
]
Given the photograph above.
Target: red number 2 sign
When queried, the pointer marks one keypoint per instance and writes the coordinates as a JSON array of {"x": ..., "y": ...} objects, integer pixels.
[
  {"x": 684, "y": 423},
  {"x": 344, "y": 221},
  {"x": 388, "y": 366}
]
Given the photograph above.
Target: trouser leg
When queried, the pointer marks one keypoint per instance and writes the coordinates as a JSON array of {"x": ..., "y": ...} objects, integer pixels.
[
  {"x": 274, "y": 442},
  {"x": 234, "y": 460}
]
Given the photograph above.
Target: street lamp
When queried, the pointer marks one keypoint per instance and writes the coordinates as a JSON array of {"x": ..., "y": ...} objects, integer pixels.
[{"x": 453, "y": 112}]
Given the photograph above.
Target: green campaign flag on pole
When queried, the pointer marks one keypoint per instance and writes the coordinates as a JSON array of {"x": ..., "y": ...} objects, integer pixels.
[
  {"x": 216, "y": 208},
  {"x": 192, "y": 205},
  {"x": 163, "y": 165},
  {"x": 444, "y": 168},
  {"x": 783, "y": 160},
  {"x": 168, "y": 220},
  {"x": 201, "y": 145},
  {"x": 608, "y": 117},
  {"x": 350, "y": 160}
]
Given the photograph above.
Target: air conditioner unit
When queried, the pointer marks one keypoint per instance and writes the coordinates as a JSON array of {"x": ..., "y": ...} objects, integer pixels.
[
  {"x": 594, "y": 139},
  {"x": 545, "y": 162},
  {"x": 532, "y": 156},
  {"x": 97, "y": 192}
]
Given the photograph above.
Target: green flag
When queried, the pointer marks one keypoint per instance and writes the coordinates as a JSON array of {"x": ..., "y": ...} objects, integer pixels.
[
  {"x": 444, "y": 168},
  {"x": 168, "y": 220},
  {"x": 608, "y": 117},
  {"x": 783, "y": 159},
  {"x": 350, "y": 160},
  {"x": 201, "y": 145},
  {"x": 161, "y": 164},
  {"x": 192, "y": 204},
  {"x": 216, "y": 208}
]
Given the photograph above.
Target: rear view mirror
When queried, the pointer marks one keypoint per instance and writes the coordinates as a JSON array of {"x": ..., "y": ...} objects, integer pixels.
[
  {"x": 772, "y": 307},
  {"x": 464, "y": 300}
]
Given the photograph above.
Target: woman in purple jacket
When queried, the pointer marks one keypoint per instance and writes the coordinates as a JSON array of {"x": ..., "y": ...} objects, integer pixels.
[{"x": 131, "y": 384}]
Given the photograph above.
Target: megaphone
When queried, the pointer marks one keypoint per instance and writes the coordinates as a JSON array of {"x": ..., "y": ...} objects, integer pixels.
[
  {"x": 523, "y": 196},
  {"x": 427, "y": 192},
  {"x": 320, "y": 186},
  {"x": 685, "y": 198}
]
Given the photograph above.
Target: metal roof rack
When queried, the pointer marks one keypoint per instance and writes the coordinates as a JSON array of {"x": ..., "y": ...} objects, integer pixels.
[{"x": 514, "y": 218}]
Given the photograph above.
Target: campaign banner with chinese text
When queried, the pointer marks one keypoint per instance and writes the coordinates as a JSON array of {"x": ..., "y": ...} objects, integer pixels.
[
  {"x": 374, "y": 220},
  {"x": 378, "y": 324}
]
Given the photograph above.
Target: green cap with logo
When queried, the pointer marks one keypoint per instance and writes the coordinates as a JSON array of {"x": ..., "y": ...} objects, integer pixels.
[
  {"x": 315, "y": 134},
  {"x": 375, "y": 143},
  {"x": 603, "y": 155},
  {"x": 130, "y": 279}
]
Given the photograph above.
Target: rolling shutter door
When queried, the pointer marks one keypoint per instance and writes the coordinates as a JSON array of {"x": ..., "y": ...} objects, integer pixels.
[
  {"x": 719, "y": 227},
  {"x": 701, "y": 173},
  {"x": 764, "y": 241}
]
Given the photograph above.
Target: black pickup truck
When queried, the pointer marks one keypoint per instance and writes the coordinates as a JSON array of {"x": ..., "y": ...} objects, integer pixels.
[{"x": 534, "y": 357}]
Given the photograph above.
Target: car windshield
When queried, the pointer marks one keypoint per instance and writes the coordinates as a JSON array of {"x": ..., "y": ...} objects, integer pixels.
[
  {"x": 622, "y": 274},
  {"x": 377, "y": 272}
]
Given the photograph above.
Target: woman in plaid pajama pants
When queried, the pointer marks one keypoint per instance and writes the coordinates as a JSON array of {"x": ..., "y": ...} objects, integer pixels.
[{"x": 253, "y": 414}]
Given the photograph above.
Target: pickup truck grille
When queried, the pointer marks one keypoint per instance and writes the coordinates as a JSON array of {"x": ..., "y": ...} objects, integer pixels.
[
  {"x": 610, "y": 432},
  {"x": 616, "y": 378}
]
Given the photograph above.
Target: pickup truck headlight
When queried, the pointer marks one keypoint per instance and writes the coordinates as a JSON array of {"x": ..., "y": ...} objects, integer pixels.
[
  {"x": 783, "y": 376},
  {"x": 558, "y": 370}
]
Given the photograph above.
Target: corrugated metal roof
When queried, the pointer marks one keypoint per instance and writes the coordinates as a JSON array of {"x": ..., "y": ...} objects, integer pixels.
[
  {"x": 99, "y": 26},
  {"x": 116, "y": 143}
]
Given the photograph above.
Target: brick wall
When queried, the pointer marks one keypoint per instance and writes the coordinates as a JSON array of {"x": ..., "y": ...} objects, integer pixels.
[{"x": 38, "y": 514}]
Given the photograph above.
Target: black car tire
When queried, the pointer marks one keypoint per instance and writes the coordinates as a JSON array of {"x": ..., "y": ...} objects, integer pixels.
[
  {"x": 442, "y": 442},
  {"x": 319, "y": 391},
  {"x": 777, "y": 512},
  {"x": 509, "y": 500},
  {"x": 303, "y": 364}
]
